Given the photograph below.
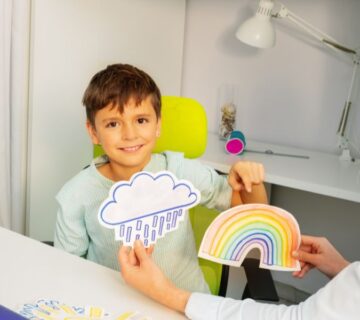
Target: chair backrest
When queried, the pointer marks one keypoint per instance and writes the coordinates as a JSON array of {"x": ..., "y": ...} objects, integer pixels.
[{"x": 184, "y": 129}]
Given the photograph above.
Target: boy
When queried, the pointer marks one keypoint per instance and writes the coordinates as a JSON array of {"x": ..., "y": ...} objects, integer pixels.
[{"x": 123, "y": 108}]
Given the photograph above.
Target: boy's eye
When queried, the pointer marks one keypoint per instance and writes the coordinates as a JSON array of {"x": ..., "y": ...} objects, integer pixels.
[
  {"x": 142, "y": 120},
  {"x": 112, "y": 124}
]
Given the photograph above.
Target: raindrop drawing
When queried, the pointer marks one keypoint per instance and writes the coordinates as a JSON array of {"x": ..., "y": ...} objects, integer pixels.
[{"x": 147, "y": 207}]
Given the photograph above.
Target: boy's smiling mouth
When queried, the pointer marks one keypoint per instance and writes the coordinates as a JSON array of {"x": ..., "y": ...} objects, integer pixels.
[{"x": 131, "y": 149}]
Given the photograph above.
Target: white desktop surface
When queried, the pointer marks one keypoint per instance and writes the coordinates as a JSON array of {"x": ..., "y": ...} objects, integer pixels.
[
  {"x": 322, "y": 173},
  {"x": 30, "y": 270}
]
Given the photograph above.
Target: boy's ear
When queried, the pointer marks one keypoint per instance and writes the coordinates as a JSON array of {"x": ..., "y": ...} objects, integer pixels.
[{"x": 92, "y": 132}]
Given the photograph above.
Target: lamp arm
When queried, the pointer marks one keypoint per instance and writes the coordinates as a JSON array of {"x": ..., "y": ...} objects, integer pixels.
[
  {"x": 336, "y": 46},
  {"x": 347, "y": 105},
  {"x": 313, "y": 31}
]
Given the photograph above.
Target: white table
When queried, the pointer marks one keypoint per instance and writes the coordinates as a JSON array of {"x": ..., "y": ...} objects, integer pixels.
[
  {"x": 30, "y": 270},
  {"x": 322, "y": 173}
]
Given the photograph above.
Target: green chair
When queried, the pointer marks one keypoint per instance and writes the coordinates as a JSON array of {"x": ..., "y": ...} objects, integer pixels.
[
  {"x": 215, "y": 274},
  {"x": 184, "y": 129}
]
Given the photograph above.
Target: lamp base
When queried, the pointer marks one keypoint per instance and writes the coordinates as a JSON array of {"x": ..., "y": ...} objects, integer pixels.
[
  {"x": 344, "y": 146},
  {"x": 345, "y": 155}
]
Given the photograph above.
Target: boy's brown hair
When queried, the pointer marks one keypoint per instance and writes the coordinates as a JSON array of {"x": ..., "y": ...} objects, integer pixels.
[{"x": 116, "y": 85}]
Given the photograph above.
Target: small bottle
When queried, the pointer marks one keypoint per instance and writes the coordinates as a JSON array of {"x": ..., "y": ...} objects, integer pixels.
[
  {"x": 227, "y": 110},
  {"x": 227, "y": 119}
]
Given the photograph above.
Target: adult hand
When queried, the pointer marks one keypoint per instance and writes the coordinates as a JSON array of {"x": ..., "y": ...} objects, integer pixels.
[
  {"x": 318, "y": 252},
  {"x": 139, "y": 271},
  {"x": 244, "y": 174}
]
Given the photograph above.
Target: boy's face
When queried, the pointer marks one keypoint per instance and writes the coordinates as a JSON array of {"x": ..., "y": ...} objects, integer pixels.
[{"x": 127, "y": 138}]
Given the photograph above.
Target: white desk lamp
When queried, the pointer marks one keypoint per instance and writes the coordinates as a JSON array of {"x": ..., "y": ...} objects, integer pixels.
[{"x": 259, "y": 32}]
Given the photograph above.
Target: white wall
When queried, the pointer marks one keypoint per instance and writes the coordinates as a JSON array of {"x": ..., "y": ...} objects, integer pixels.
[
  {"x": 70, "y": 41},
  {"x": 291, "y": 94}
]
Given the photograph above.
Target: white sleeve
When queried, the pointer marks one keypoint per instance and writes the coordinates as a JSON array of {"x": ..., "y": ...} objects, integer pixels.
[
  {"x": 339, "y": 299},
  {"x": 206, "y": 307}
]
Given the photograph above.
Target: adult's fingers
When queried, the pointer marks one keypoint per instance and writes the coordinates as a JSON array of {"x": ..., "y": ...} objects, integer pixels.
[
  {"x": 307, "y": 240},
  {"x": 304, "y": 270},
  {"x": 307, "y": 257},
  {"x": 123, "y": 255},
  {"x": 150, "y": 250},
  {"x": 140, "y": 251}
]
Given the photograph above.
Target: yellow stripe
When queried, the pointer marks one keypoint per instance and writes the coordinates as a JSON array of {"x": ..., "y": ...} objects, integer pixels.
[
  {"x": 95, "y": 312},
  {"x": 43, "y": 315},
  {"x": 68, "y": 309},
  {"x": 125, "y": 315}
]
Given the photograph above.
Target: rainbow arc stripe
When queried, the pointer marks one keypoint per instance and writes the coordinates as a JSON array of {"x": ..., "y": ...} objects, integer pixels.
[{"x": 235, "y": 232}]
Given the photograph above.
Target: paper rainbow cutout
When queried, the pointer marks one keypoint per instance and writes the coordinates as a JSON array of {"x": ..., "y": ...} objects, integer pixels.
[{"x": 235, "y": 232}]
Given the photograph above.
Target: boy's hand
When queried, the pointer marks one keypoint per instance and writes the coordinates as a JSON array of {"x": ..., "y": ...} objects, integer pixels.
[
  {"x": 139, "y": 271},
  {"x": 244, "y": 174},
  {"x": 319, "y": 253}
]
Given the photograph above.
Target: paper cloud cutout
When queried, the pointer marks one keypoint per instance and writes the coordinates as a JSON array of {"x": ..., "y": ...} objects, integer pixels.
[{"x": 147, "y": 207}]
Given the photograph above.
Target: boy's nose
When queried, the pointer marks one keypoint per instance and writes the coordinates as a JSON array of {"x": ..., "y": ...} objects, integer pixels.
[{"x": 128, "y": 132}]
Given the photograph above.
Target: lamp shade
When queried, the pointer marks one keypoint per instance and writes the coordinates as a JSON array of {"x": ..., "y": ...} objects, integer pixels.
[{"x": 259, "y": 30}]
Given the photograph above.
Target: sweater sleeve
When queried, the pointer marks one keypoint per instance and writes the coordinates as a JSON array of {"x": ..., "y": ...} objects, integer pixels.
[
  {"x": 70, "y": 230},
  {"x": 339, "y": 299},
  {"x": 214, "y": 188}
]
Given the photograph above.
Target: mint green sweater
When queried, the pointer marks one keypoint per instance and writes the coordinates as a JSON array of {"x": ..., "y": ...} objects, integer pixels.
[{"x": 79, "y": 232}]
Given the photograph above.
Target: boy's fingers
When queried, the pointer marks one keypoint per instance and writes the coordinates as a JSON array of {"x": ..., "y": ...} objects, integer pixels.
[
  {"x": 253, "y": 175},
  {"x": 235, "y": 185},
  {"x": 246, "y": 180},
  {"x": 262, "y": 172},
  {"x": 237, "y": 181}
]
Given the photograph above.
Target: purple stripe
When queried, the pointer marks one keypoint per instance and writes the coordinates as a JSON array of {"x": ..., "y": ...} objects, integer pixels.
[
  {"x": 250, "y": 239},
  {"x": 146, "y": 231},
  {"x": 161, "y": 225},
  {"x": 128, "y": 234}
]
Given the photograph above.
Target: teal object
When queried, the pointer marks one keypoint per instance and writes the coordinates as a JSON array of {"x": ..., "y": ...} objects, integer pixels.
[{"x": 235, "y": 143}]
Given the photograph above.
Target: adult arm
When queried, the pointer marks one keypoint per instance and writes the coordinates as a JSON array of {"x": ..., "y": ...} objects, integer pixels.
[
  {"x": 139, "y": 271},
  {"x": 339, "y": 299}
]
